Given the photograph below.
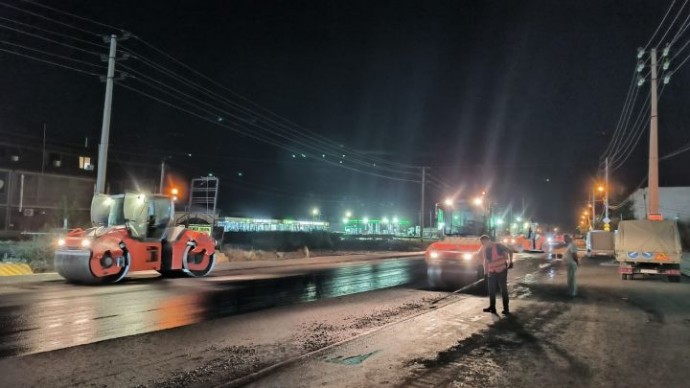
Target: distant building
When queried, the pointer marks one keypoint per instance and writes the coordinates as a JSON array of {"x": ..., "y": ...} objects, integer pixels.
[
  {"x": 674, "y": 203},
  {"x": 237, "y": 224},
  {"x": 43, "y": 186},
  {"x": 34, "y": 201}
]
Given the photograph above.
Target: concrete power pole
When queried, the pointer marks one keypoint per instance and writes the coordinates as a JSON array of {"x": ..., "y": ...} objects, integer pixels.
[
  {"x": 105, "y": 129},
  {"x": 594, "y": 208},
  {"x": 160, "y": 188},
  {"x": 653, "y": 198},
  {"x": 607, "y": 220},
  {"x": 421, "y": 209}
]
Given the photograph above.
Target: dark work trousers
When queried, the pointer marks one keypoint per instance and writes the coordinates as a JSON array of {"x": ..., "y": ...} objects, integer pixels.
[{"x": 496, "y": 281}]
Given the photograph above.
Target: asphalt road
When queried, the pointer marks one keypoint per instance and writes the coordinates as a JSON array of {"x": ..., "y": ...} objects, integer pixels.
[
  {"x": 616, "y": 333},
  {"x": 45, "y": 316}
]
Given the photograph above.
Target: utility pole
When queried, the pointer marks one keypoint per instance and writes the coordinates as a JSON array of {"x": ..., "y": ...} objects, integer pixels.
[
  {"x": 160, "y": 187},
  {"x": 594, "y": 207},
  {"x": 421, "y": 209},
  {"x": 654, "y": 147},
  {"x": 105, "y": 129},
  {"x": 607, "y": 220},
  {"x": 43, "y": 155}
]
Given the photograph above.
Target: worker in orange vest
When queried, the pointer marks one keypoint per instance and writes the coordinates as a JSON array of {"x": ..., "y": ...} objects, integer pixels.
[{"x": 497, "y": 259}]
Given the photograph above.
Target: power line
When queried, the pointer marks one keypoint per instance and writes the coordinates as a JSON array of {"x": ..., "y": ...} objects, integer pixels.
[
  {"x": 660, "y": 24},
  {"x": 232, "y": 128},
  {"x": 52, "y": 32},
  {"x": 327, "y": 144},
  {"x": 71, "y": 14},
  {"x": 313, "y": 136},
  {"x": 48, "y": 39},
  {"x": 216, "y": 111},
  {"x": 52, "y": 54},
  {"x": 48, "y": 18},
  {"x": 681, "y": 30},
  {"x": 624, "y": 116},
  {"x": 47, "y": 61},
  {"x": 677, "y": 152},
  {"x": 673, "y": 21},
  {"x": 201, "y": 75}
]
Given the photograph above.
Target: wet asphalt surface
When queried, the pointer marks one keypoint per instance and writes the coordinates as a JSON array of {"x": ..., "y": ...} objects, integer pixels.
[{"x": 45, "y": 316}]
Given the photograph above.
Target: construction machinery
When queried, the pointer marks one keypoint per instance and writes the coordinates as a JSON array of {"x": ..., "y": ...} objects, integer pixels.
[
  {"x": 132, "y": 232},
  {"x": 456, "y": 259}
]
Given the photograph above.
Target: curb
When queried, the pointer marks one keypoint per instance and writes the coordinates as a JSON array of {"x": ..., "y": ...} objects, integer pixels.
[{"x": 15, "y": 269}]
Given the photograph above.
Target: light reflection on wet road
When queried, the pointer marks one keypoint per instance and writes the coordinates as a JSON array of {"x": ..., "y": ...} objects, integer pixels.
[{"x": 39, "y": 317}]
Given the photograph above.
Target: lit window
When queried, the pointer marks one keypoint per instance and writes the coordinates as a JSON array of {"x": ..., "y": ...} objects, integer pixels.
[{"x": 85, "y": 163}]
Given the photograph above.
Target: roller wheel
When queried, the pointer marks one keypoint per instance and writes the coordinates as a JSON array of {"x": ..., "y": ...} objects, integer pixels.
[
  {"x": 197, "y": 264},
  {"x": 77, "y": 267}
]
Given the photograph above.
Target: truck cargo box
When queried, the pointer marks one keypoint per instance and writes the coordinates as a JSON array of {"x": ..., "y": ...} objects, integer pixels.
[
  {"x": 648, "y": 247},
  {"x": 600, "y": 243}
]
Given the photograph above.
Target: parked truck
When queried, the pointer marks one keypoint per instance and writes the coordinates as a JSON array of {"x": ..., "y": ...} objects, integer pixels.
[
  {"x": 648, "y": 247},
  {"x": 600, "y": 243}
]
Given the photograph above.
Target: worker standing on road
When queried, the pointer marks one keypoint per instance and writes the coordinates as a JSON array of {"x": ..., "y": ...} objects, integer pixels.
[
  {"x": 570, "y": 259},
  {"x": 497, "y": 259}
]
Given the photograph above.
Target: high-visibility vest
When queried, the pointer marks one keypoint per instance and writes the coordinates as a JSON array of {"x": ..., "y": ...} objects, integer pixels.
[{"x": 496, "y": 259}]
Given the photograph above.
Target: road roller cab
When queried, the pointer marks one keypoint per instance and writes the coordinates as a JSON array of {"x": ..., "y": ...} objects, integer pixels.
[{"x": 132, "y": 232}]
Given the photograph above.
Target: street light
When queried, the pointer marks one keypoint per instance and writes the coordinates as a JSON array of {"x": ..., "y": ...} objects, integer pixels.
[
  {"x": 479, "y": 201},
  {"x": 449, "y": 202},
  {"x": 348, "y": 214},
  {"x": 315, "y": 211}
]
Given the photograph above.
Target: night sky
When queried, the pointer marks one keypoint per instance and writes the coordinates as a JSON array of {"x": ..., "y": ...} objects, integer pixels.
[{"x": 518, "y": 98}]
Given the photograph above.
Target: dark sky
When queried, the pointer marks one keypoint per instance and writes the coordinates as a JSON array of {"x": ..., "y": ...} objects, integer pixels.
[{"x": 518, "y": 98}]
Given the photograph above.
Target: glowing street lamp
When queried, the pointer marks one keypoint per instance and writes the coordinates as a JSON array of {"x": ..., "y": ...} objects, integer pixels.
[
  {"x": 315, "y": 212},
  {"x": 348, "y": 214},
  {"x": 365, "y": 220},
  {"x": 499, "y": 221},
  {"x": 385, "y": 220},
  {"x": 479, "y": 201},
  {"x": 449, "y": 202}
]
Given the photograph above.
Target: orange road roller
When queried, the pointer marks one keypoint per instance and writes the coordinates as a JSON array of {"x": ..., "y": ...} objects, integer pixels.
[{"x": 132, "y": 232}]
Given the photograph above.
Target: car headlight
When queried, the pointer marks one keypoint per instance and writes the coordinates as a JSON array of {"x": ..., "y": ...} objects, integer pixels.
[
  {"x": 505, "y": 240},
  {"x": 550, "y": 239},
  {"x": 61, "y": 242},
  {"x": 86, "y": 243},
  {"x": 467, "y": 256},
  {"x": 512, "y": 241},
  {"x": 433, "y": 255}
]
